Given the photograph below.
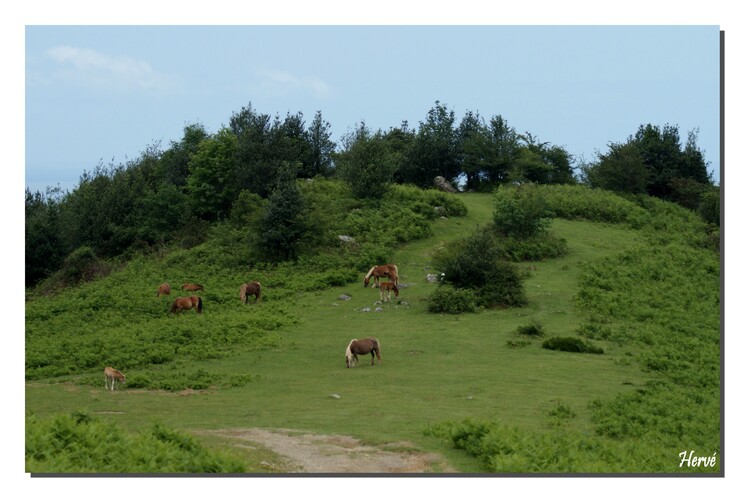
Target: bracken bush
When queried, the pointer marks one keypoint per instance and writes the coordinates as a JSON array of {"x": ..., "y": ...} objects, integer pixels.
[
  {"x": 79, "y": 443},
  {"x": 449, "y": 300}
]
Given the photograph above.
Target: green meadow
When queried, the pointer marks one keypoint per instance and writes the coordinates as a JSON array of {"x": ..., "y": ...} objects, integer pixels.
[{"x": 640, "y": 281}]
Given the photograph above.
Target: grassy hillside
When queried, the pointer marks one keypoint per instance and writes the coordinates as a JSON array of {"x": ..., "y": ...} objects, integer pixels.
[{"x": 640, "y": 281}]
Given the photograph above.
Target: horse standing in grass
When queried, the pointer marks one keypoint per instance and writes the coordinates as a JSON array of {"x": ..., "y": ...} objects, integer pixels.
[
  {"x": 164, "y": 289},
  {"x": 382, "y": 271},
  {"x": 110, "y": 376},
  {"x": 248, "y": 289},
  {"x": 362, "y": 347},
  {"x": 192, "y": 287},
  {"x": 186, "y": 303},
  {"x": 386, "y": 287}
]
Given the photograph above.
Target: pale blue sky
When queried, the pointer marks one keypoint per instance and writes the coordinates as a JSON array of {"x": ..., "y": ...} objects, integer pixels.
[{"x": 106, "y": 93}]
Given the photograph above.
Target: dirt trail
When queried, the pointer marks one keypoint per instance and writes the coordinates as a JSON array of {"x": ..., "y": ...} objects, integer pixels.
[{"x": 311, "y": 453}]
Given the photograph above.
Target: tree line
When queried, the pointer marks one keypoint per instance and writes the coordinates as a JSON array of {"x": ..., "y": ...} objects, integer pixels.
[{"x": 176, "y": 193}]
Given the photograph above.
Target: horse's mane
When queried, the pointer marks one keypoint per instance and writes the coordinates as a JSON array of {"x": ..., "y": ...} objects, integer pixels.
[
  {"x": 349, "y": 348},
  {"x": 369, "y": 273}
]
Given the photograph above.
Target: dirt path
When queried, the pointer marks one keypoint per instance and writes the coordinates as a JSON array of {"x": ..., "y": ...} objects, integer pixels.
[{"x": 310, "y": 453}]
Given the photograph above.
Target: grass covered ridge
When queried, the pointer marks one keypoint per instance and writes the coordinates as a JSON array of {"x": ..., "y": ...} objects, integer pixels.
[{"x": 640, "y": 280}]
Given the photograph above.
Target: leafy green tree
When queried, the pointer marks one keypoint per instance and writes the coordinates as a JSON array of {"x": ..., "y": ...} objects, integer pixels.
[
  {"x": 256, "y": 167},
  {"x": 652, "y": 161},
  {"x": 282, "y": 224},
  {"x": 660, "y": 150},
  {"x": 289, "y": 143},
  {"x": 475, "y": 149},
  {"x": 44, "y": 246},
  {"x": 520, "y": 211},
  {"x": 400, "y": 141},
  {"x": 211, "y": 184},
  {"x": 621, "y": 170},
  {"x": 321, "y": 147},
  {"x": 174, "y": 162},
  {"x": 505, "y": 150},
  {"x": 162, "y": 213},
  {"x": 542, "y": 163},
  {"x": 366, "y": 165},
  {"x": 435, "y": 150},
  {"x": 99, "y": 212}
]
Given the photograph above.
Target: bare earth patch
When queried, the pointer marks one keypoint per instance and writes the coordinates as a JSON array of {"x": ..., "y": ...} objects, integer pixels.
[{"x": 311, "y": 453}]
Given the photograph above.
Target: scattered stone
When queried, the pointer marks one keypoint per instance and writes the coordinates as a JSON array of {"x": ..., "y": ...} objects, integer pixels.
[
  {"x": 344, "y": 297},
  {"x": 335, "y": 395},
  {"x": 432, "y": 278},
  {"x": 366, "y": 310},
  {"x": 443, "y": 184},
  {"x": 378, "y": 309},
  {"x": 346, "y": 239}
]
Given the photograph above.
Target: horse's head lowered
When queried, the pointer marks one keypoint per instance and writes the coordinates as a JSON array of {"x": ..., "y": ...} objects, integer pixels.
[{"x": 350, "y": 357}]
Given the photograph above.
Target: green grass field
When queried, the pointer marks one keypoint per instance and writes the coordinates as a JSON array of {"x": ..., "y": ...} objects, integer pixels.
[{"x": 435, "y": 368}]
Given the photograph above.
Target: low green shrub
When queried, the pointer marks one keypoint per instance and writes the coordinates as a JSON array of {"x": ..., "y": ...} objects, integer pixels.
[
  {"x": 598, "y": 205},
  {"x": 539, "y": 247},
  {"x": 572, "y": 345},
  {"x": 520, "y": 211},
  {"x": 515, "y": 344},
  {"x": 80, "y": 443},
  {"x": 476, "y": 263},
  {"x": 506, "y": 449},
  {"x": 532, "y": 329},
  {"x": 178, "y": 381},
  {"x": 450, "y": 300}
]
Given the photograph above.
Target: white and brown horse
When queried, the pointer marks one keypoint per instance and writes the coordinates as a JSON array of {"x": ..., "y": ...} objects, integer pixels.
[
  {"x": 248, "y": 289},
  {"x": 382, "y": 271},
  {"x": 187, "y": 303},
  {"x": 386, "y": 287},
  {"x": 362, "y": 347},
  {"x": 110, "y": 376}
]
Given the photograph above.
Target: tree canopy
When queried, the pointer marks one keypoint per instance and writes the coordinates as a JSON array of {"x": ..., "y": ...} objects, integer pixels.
[{"x": 174, "y": 194}]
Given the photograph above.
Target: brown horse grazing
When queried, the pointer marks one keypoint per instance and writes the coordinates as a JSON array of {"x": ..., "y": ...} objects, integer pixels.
[
  {"x": 164, "y": 289},
  {"x": 382, "y": 271},
  {"x": 362, "y": 347},
  {"x": 192, "y": 287},
  {"x": 110, "y": 376},
  {"x": 186, "y": 303},
  {"x": 248, "y": 289},
  {"x": 386, "y": 288}
]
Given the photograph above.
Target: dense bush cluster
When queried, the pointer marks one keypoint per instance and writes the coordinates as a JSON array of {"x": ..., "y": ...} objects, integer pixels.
[
  {"x": 507, "y": 449},
  {"x": 477, "y": 264},
  {"x": 449, "y": 300},
  {"x": 79, "y": 443},
  {"x": 571, "y": 345}
]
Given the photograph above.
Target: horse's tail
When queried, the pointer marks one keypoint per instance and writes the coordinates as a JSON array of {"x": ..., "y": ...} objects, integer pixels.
[
  {"x": 199, "y": 307},
  {"x": 395, "y": 271},
  {"x": 174, "y": 306}
]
